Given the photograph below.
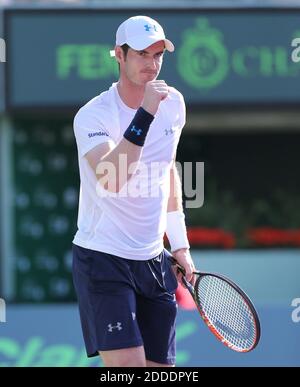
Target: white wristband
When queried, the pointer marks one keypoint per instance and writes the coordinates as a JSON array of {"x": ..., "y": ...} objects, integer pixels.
[{"x": 176, "y": 230}]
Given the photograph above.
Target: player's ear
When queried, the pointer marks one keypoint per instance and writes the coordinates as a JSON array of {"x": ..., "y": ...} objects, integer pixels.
[{"x": 119, "y": 54}]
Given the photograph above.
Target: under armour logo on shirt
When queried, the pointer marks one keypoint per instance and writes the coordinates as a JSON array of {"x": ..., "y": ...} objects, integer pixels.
[
  {"x": 118, "y": 327},
  {"x": 169, "y": 131},
  {"x": 137, "y": 131},
  {"x": 148, "y": 28}
]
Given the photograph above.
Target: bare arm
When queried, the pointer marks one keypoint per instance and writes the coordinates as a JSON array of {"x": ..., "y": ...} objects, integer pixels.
[
  {"x": 175, "y": 196},
  {"x": 182, "y": 255},
  {"x": 105, "y": 157}
]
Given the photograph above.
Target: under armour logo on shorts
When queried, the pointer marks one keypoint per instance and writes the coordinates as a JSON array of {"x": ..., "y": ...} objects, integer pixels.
[{"x": 111, "y": 327}]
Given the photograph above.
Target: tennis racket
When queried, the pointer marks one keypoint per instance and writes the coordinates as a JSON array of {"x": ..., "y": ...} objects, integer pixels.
[{"x": 225, "y": 309}]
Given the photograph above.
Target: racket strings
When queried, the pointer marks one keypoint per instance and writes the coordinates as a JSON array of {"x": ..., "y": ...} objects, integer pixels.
[{"x": 227, "y": 311}]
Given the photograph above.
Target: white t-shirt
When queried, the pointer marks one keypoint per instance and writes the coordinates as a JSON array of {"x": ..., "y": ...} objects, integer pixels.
[{"x": 129, "y": 224}]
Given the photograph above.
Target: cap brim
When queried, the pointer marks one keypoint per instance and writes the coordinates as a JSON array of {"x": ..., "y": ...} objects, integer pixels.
[
  {"x": 140, "y": 44},
  {"x": 169, "y": 45}
]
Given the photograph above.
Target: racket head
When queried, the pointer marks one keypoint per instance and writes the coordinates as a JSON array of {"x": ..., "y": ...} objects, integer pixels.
[{"x": 227, "y": 311}]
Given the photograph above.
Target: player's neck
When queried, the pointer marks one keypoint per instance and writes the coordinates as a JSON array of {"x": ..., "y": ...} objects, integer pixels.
[{"x": 131, "y": 94}]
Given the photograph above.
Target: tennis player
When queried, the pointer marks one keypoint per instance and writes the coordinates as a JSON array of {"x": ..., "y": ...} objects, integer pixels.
[{"x": 122, "y": 274}]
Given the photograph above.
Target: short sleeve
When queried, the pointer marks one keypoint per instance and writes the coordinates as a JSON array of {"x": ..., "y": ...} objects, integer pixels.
[
  {"x": 182, "y": 112},
  {"x": 89, "y": 130},
  {"x": 176, "y": 108}
]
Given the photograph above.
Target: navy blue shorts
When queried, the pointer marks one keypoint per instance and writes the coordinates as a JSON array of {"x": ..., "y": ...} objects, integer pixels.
[{"x": 126, "y": 303}]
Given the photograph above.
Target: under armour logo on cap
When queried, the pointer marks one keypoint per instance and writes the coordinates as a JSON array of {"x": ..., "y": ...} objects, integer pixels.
[
  {"x": 148, "y": 28},
  {"x": 140, "y": 32}
]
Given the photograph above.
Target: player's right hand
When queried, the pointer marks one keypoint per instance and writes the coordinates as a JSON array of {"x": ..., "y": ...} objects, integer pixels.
[
  {"x": 155, "y": 92},
  {"x": 184, "y": 259}
]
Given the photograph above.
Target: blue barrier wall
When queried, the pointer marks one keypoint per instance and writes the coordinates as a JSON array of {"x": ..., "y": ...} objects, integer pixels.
[{"x": 50, "y": 335}]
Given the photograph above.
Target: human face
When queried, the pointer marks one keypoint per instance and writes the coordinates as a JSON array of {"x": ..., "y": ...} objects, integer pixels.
[{"x": 142, "y": 66}]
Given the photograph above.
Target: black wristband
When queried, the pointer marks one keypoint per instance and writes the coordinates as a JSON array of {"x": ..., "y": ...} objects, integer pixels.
[{"x": 139, "y": 126}]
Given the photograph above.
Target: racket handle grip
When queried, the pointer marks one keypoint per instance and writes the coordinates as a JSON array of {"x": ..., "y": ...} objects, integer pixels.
[
  {"x": 189, "y": 286},
  {"x": 179, "y": 267}
]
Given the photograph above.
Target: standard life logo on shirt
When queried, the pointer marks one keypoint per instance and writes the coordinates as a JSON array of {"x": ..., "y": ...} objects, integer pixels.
[{"x": 97, "y": 134}]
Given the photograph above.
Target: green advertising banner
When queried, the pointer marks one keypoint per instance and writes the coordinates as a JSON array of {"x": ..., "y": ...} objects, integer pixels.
[{"x": 60, "y": 58}]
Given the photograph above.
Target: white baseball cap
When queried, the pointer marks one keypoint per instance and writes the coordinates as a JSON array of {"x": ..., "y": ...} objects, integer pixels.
[{"x": 139, "y": 32}]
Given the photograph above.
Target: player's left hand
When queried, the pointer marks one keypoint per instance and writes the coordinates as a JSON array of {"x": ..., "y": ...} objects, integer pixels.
[{"x": 184, "y": 259}]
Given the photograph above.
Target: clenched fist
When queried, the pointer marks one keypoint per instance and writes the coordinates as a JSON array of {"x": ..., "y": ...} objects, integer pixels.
[{"x": 155, "y": 92}]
